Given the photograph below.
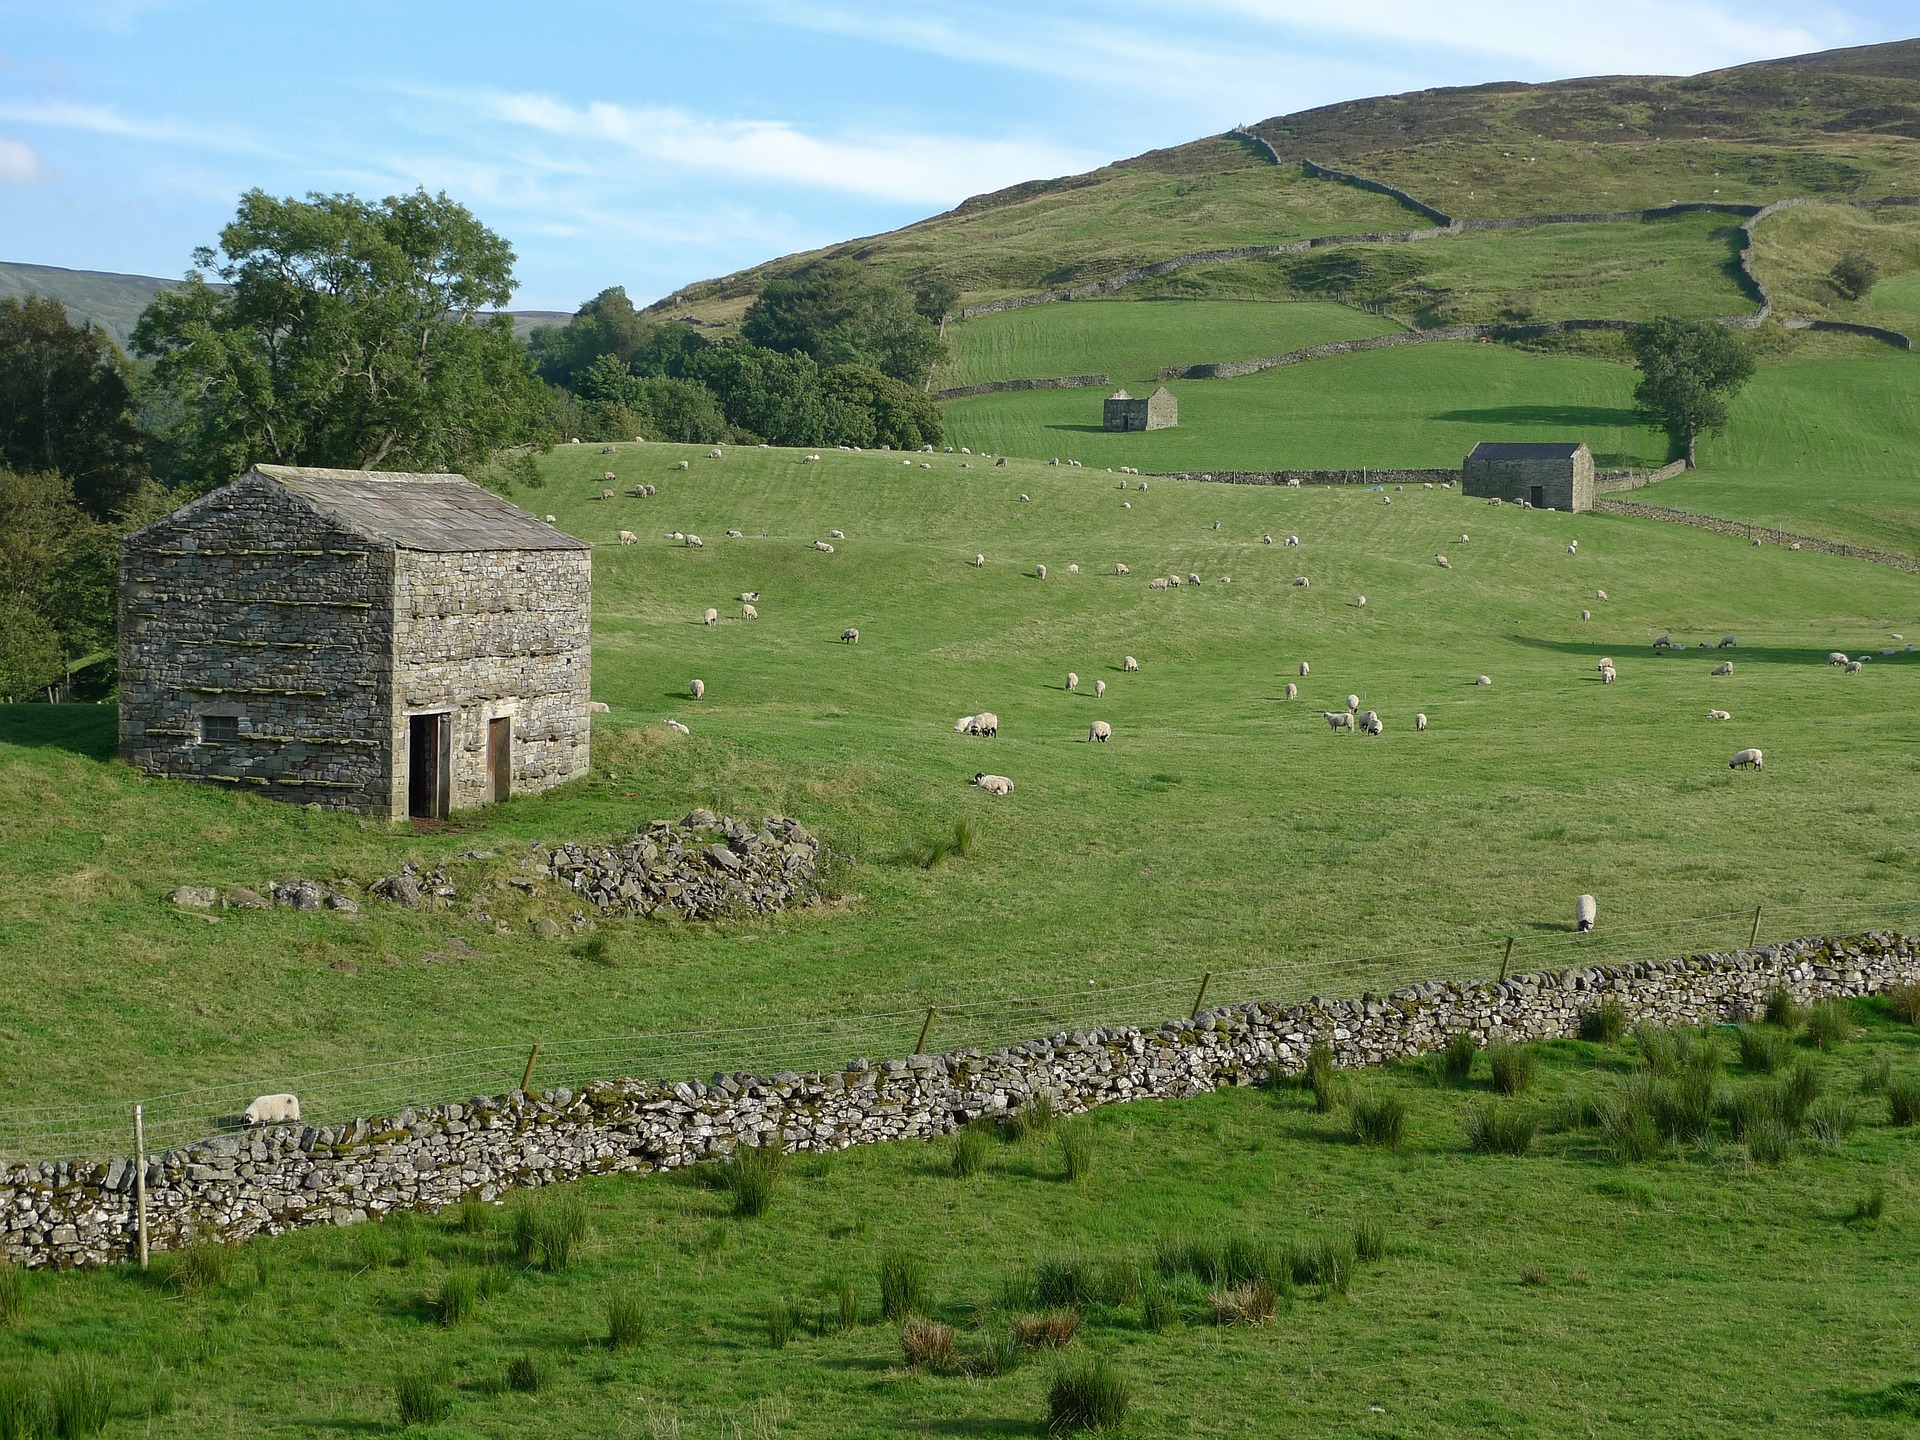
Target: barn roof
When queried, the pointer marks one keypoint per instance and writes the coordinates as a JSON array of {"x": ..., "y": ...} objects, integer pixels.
[
  {"x": 1526, "y": 450},
  {"x": 419, "y": 512},
  {"x": 1120, "y": 394}
]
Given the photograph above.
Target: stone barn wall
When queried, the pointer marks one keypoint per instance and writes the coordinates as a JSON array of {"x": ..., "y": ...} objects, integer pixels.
[{"x": 1566, "y": 482}]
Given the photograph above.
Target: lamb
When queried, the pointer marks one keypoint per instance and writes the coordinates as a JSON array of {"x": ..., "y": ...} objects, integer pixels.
[
  {"x": 1129, "y": 664},
  {"x": 1360, "y": 603},
  {"x": 1193, "y": 579},
  {"x": 836, "y": 534},
  {"x": 1585, "y": 912},
  {"x": 1573, "y": 547},
  {"x": 964, "y": 725},
  {"x": 1484, "y": 680},
  {"x": 1607, "y": 675},
  {"x": 1293, "y": 541},
  {"x": 1599, "y": 594},
  {"x": 1073, "y": 682},
  {"x": 1073, "y": 569},
  {"x": 609, "y": 476},
  {"x": 1099, "y": 732},
  {"x": 747, "y": 612},
  {"x": 1266, "y": 539},
  {"x": 823, "y": 547},
  {"x": 1725, "y": 667},
  {"x": 1216, "y": 524},
  {"x": 1126, "y": 504},
  {"x": 1039, "y": 572},
  {"x": 627, "y": 537},
  {"x": 680, "y": 465},
  {"x": 1463, "y": 538},
  {"x": 552, "y": 519},
  {"x": 1226, "y": 579},
  {"x": 809, "y": 459},
  {"x": 994, "y": 784},
  {"x": 1794, "y": 546},
  {"x": 1025, "y": 501},
  {"x": 985, "y": 723},
  {"x": 1420, "y": 722},
  {"x": 675, "y": 535},
  {"x": 1099, "y": 689},
  {"x": 850, "y": 636},
  {"x": 676, "y": 725},
  {"x": 1719, "y": 715},
  {"x": 711, "y": 617},
  {"x": 1293, "y": 691},
  {"x": 1338, "y": 719},
  {"x": 272, "y": 1110},
  {"x": 1443, "y": 562},
  {"x": 736, "y": 535},
  {"x": 713, "y": 454},
  {"x": 1747, "y": 760},
  {"x": 699, "y": 689},
  {"x": 1836, "y": 657},
  {"x": 1143, "y": 485}
]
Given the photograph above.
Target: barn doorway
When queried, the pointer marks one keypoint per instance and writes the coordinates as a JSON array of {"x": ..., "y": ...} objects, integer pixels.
[
  {"x": 1537, "y": 497},
  {"x": 499, "y": 759},
  {"x": 427, "y": 767}
]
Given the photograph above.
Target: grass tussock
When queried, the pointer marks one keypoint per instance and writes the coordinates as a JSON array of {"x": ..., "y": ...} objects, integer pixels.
[
  {"x": 420, "y": 1399},
  {"x": 1605, "y": 1023},
  {"x": 79, "y": 1399},
  {"x": 1322, "y": 1079},
  {"x": 1251, "y": 1304},
  {"x": 472, "y": 1216},
  {"x": 626, "y": 1321},
  {"x": 13, "y": 1293},
  {"x": 1512, "y": 1067},
  {"x": 22, "y": 1414},
  {"x": 969, "y": 1152},
  {"x": 1088, "y": 1394},
  {"x": 1829, "y": 1025},
  {"x": 1076, "y": 1152},
  {"x": 1378, "y": 1120},
  {"x": 1159, "y": 1309},
  {"x": 546, "y": 1231},
  {"x": 526, "y": 1374},
  {"x": 1903, "y": 1100},
  {"x": 1496, "y": 1129},
  {"x": 1764, "y": 1050},
  {"x": 1370, "y": 1239},
  {"x": 1831, "y": 1121},
  {"x": 206, "y": 1266},
  {"x": 903, "y": 1286},
  {"x": 1457, "y": 1057},
  {"x": 753, "y": 1176},
  {"x": 928, "y": 1345},
  {"x": 455, "y": 1299},
  {"x": 954, "y": 844},
  {"x": 1871, "y": 1204},
  {"x": 1053, "y": 1330},
  {"x": 1782, "y": 1010},
  {"x": 1904, "y": 1001},
  {"x": 1031, "y": 1120}
]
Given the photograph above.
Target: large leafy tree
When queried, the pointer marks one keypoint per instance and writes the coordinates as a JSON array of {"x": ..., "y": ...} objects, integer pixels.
[
  {"x": 608, "y": 325},
  {"x": 1689, "y": 370},
  {"x": 343, "y": 332},
  {"x": 839, "y": 312},
  {"x": 867, "y": 408},
  {"x": 66, "y": 405},
  {"x": 57, "y": 581},
  {"x": 776, "y": 398}
]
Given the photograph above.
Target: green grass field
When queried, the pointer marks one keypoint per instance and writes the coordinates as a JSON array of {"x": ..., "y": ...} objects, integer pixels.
[
  {"x": 1222, "y": 828},
  {"x": 1559, "y": 1292}
]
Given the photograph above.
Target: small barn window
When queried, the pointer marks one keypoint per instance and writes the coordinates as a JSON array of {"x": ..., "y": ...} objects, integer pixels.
[{"x": 216, "y": 728}]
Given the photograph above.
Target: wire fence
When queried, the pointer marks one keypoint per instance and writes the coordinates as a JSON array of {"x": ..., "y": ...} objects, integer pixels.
[{"x": 331, "y": 1097}]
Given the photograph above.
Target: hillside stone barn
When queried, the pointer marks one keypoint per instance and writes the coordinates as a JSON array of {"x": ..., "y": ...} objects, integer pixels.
[
  {"x": 1158, "y": 411},
  {"x": 1555, "y": 476},
  {"x": 401, "y": 645}
]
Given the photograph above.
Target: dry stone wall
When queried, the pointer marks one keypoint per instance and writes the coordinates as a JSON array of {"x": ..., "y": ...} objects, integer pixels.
[
  {"x": 278, "y": 1178},
  {"x": 1763, "y": 534},
  {"x": 1001, "y": 387}
]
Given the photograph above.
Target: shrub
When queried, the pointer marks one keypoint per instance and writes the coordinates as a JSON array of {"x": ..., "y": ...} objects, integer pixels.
[
  {"x": 454, "y": 1301},
  {"x": 79, "y": 1399},
  {"x": 928, "y": 1345},
  {"x": 21, "y": 1415},
  {"x": 13, "y": 1292},
  {"x": 1769, "y": 1141},
  {"x": 1088, "y": 1395},
  {"x": 1379, "y": 1119},
  {"x": 1456, "y": 1060},
  {"x": 1904, "y": 1000},
  {"x": 1831, "y": 1121},
  {"x": 545, "y": 1232},
  {"x": 1158, "y": 1309},
  {"x": 1903, "y": 1100},
  {"x": 626, "y": 1322},
  {"x": 420, "y": 1400},
  {"x": 1321, "y": 1078},
  {"x": 1763, "y": 1051},
  {"x": 1495, "y": 1129},
  {"x": 903, "y": 1285},
  {"x": 1052, "y": 1331},
  {"x": 1370, "y": 1239},
  {"x": 1032, "y": 1119},
  {"x": 1780, "y": 1008},
  {"x": 1076, "y": 1152},
  {"x": 1605, "y": 1023},
  {"x": 1244, "y": 1304},
  {"x": 1829, "y": 1026},
  {"x": 1871, "y": 1205},
  {"x": 968, "y": 1157},
  {"x": 1512, "y": 1067},
  {"x": 753, "y": 1174},
  {"x": 526, "y": 1374}
]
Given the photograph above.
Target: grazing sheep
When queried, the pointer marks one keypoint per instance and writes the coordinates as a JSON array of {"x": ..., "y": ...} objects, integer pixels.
[
  {"x": 1443, "y": 562},
  {"x": 609, "y": 476},
  {"x": 1585, "y": 912},
  {"x": 823, "y": 547},
  {"x": 1794, "y": 546},
  {"x": 1371, "y": 723},
  {"x": 1719, "y": 715},
  {"x": 1099, "y": 732},
  {"x": 1338, "y": 719},
  {"x": 1266, "y": 539},
  {"x": 1852, "y": 667},
  {"x": 1143, "y": 485},
  {"x": 1120, "y": 569},
  {"x": 1024, "y": 500},
  {"x": 1573, "y": 547},
  {"x": 1747, "y": 760},
  {"x": 1293, "y": 691},
  {"x": 1360, "y": 603},
  {"x": 1073, "y": 569},
  {"x": 1727, "y": 642},
  {"x": 1193, "y": 579},
  {"x": 699, "y": 689},
  {"x": 272, "y": 1110},
  {"x": 1129, "y": 664},
  {"x": 1605, "y": 663},
  {"x": 1420, "y": 722},
  {"x": 747, "y": 612},
  {"x": 713, "y": 454},
  {"x": 694, "y": 542},
  {"x": 553, "y": 519},
  {"x": 1126, "y": 504},
  {"x": 1303, "y": 667},
  {"x": 985, "y": 723},
  {"x": 1073, "y": 682},
  {"x": 749, "y": 597},
  {"x": 599, "y": 707},
  {"x": 1463, "y": 538},
  {"x": 1099, "y": 689},
  {"x": 1216, "y": 524},
  {"x": 1001, "y": 461},
  {"x": 1301, "y": 582},
  {"x": 736, "y": 534},
  {"x": 979, "y": 561},
  {"x": 836, "y": 534},
  {"x": 627, "y": 537},
  {"x": 994, "y": 784},
  {"x": 1292, "y": 541},
  {"x": 964, "y": 725},
  {"x": 1607, "y": 675},
  {"x": 711, "y": 617},
  {"x": 1484, "y": 680},
  {"x": 850, "y": 636},
  {"x": 1353, "y": 702},
  {"x": 1173, "y": 582},
  {"x": 1599, "y": 594},
  {"x": 809, "y": 459},
  {"x": 680, "y": 465},
  {"x": 1226, "y": 579},
  {"x": 606, "y": 494},
  {"x": 1725, "y": 667},
  {"x": 676, "y": 725},
  {"x": 1039, "y": 572},
  {"x": 1585, "y": 616}
]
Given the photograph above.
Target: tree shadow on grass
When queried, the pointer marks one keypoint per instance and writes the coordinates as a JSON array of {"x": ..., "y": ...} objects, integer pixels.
[
  {"x": 1570, "y": 415},
  {"x": 980, "y": 1425},
  {"x": 91, "y": 731}
]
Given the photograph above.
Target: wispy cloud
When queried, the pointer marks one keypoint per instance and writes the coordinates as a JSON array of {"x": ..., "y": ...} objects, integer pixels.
[
  {"x": 18, "y": 164},
  {"x": 903, "y": 167},
  {"x": 105, "y": 120}
]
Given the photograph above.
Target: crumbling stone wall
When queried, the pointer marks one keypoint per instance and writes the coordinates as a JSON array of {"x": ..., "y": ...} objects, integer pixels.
[{"x": 282, "y": 1177}]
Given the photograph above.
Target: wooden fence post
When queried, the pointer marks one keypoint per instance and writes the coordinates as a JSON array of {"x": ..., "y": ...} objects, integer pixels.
[
  {"x": 1506, "y": 958},
  {"x": 526, "y": 1076},
  {"x": 1205, "y": 980},
  {"x": 140, "y": 1177},
  {"x": 920, "y": 1045},
  {"x": 1754, "y": 938}
]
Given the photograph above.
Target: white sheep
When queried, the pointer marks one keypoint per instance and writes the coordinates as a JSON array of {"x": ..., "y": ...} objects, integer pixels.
[
  {"x": 553, "y": 519},
  {"x": 1443, "y": 562},
  {"x": 749, "y": 597},
  {"x": 809, "y": 459},
  {"x": 1353, "y": 702},
  {"x": 676, "y": 725},
  {"x": 1301, "y": 582},
  {"x": 1039, "y": 572},
  {"x": 1852, "y": 667},
  {"x": 699, "y": 689},
  {"x": 1420, "y": 722},
  {"x": 711, "y": 617},
  {"x": 680, "y": 465},
  {"x": 1024, "y": 500},
  {"x": 736, "y": 535},
  {"x": 713, "y": 454},
  {"x": 1143, "y": 484},
  {"x": 1126, "y": 504},
  {"x": 1727, "y": 642},
  {"x": 1725, "y": 667},
  {"x": 1073, "y": 569},
  {"x": 1747, "y": 760},
  {"x": 1159, "y": 582},
  {"x": 1120, "y": 569},
  {"x": 747, "y": 612},
  {"x": 1338, "y": 719},
  {"x": 1719, "y": 715},
  {"x": 1372, "y": 723},
  {"x": 1226, "y": 579},
  {"x": 1484, "y": 680},
  {"x": 1599, "y": 594},
  {"x": 850, "y": 636},
  {"x": 694, "y": 542},
  {"x": 994, "y": 784},
  {"x": 1304, "y": 667},
  {"x": 1608, "y": 675},
  {"x": 1173, "y": 582},
  {"x": 985, "y": 723},
  {"x": 272, "y": 1110},
  {"x": 1292, "y": 541},
  {"x": 1129, "y": 664},
  {"x": 1836, "y": 657},
  {"x": 1099, "y": 689},
  {"x": 1360, "y": 603},
  {"x": 1585, "y": 912},
  {"x": 823, "y": 547},
  {"x": 1099, "y": 732},
  {"x": 1585, "y": 616},
  {"x": 1573, "y": 547},
  {"x": 1293, "y": 691},
  {"x": 606, "y": 494},
  {"x": 979, "y": 561},
  {"x": 1463, "y": 538},
  {"x": 1266, "y": 539},
  {"x": 1073, "y": 682},
  {"x": 675, "y": 535},
  {"x": 1193, "y": 579},
  {"x": 627, "y": 537}
]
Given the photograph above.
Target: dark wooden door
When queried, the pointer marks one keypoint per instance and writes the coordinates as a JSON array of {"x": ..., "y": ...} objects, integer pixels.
[
  {"x": 499, "y": 759},
  {"x": 1538, "y": 497},
  {"x": 426, "y": 797}
]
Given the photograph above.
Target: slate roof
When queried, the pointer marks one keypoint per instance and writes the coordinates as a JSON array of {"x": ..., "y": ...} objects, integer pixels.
[
  {"x": 419, "y": 512},
  {"x": 1518, "y": 450}
]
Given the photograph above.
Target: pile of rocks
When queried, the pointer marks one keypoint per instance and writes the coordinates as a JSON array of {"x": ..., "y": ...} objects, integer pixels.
[
  {"x": 294, "y": 892},
  {"x": 707, "y": 867}
]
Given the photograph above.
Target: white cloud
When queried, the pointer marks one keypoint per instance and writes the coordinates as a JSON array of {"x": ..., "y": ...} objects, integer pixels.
[
  {"x": 18, "y": 164},
  {"x": 105, "y": 120},
  {"x": 908, "y": 168}
]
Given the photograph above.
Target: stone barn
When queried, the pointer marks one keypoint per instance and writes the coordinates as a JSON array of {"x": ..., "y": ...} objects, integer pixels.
[
  {"x": 1557, "y": 476},
  {"x": 1158, "y": 411},
  {"x": 402, "y": 645}
]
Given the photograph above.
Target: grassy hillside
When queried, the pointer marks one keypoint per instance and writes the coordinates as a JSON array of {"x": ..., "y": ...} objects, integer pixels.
[
  {"x": 1698, "y": 1294},
  {"x": 1223, "y": 827},
  {"x": 1796, "y": 250}
]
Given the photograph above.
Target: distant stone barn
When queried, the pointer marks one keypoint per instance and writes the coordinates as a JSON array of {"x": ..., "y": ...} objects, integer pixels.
[
  {"x": 1158, "y": 411},
  {"x": 1554, "y": 476},
  {"x": 402, "y": 645}
]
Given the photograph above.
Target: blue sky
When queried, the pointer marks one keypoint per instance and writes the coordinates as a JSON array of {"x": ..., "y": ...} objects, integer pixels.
[{"x": 651, "y": 144}]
